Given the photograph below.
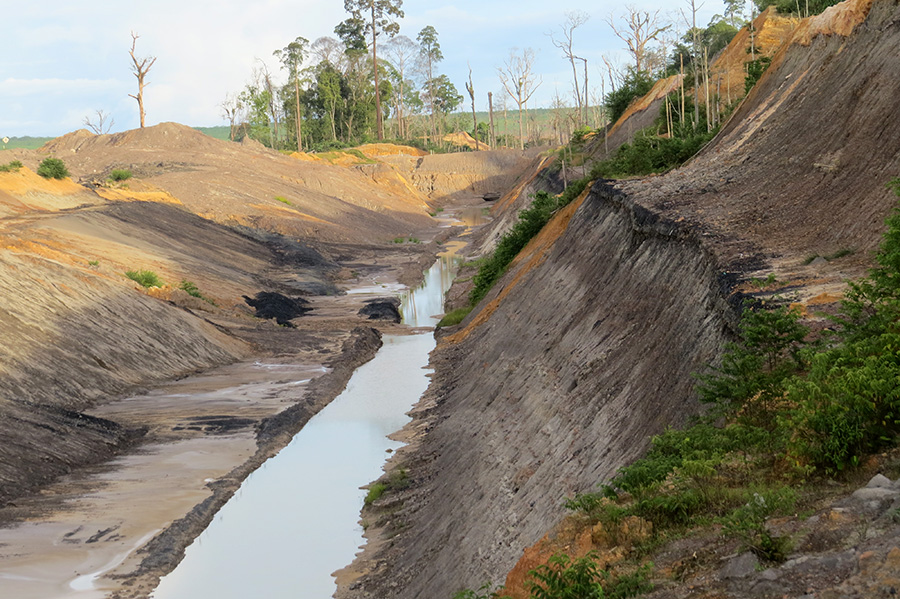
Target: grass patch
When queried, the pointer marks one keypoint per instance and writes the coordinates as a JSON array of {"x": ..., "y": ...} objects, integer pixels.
[
  {"x": 840, "y": 254},
  {"x": 283, "y": 200},
  {"x": 93, "y": 263},
  {"x": 144, "y": 278},
  {"x": 191, "y": 289},
  {"x": 455, "y": 317},
  {"x": 375, "y": 493},
  {"x": 360, "y": 156}
]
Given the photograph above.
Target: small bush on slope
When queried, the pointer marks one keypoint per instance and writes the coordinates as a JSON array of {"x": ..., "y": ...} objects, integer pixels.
[{"x": 53, "y": 168}]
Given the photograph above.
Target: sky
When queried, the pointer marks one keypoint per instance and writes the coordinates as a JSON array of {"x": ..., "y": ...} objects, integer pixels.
[{"x": 63, "y": 60}]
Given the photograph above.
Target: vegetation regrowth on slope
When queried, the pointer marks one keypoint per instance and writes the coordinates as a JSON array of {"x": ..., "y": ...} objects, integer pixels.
[{"x": 784, "y": 410}]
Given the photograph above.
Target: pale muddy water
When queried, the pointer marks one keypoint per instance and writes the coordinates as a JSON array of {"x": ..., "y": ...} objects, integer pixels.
[{"x": 296, "y": 519}]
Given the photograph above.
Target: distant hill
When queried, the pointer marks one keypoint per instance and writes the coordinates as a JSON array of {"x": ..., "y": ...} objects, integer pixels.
[
  {"x": 28, "y": 143},
  {"x": 220, "y": 132}
]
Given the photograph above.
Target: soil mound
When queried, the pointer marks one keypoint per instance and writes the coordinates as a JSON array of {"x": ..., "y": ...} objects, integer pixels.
[
  {"x": 270, "y": 304},
  {"x": 464, "y": 140},
  {"x": 379, "y": 150}
]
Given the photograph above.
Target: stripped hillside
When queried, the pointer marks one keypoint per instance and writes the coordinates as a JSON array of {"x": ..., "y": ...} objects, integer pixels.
[{"x": 592, "y": 335}]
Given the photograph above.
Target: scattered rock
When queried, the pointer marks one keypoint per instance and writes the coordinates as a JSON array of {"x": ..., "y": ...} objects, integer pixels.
[
  {"x": 270, "y": 304},
  {"x": 383, "y": 308},
  {"x": 880, "y": 481},
  {"x": 871, "y": 501},
  {"x": 742, "y": 566}
]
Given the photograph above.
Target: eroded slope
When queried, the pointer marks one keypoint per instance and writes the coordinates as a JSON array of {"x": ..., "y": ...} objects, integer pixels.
[{"x": 590, "y": 346}]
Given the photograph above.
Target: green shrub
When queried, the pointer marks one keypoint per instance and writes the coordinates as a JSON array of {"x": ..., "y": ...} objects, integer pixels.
[
  {"x": 753, "y": 374},
  {"x": 398, "y": 479},
  {"x": 11, "y": 167},
  {"x": 755, "y": 70},
  {"x": 565, "y": 578},
  {"x": 649, "y": 153},
  {"x": 455, "y": 317},
  {"x": 748, "y": 523},
  {"x": 375, "y": 493},
  {"x": 485, "y": 592},
  {"x": 635, "y": 85},
  {"x": 120, "y": 174},
  {"x": 53, "y": 168},
  {"x": 144, "y": 278},
  {"x": 849, "y": 404},
  {"x": 283, "y": 200}
]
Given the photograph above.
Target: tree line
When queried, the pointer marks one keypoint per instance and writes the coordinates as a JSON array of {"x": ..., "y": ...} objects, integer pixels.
[{"x": 368, "y": 82}]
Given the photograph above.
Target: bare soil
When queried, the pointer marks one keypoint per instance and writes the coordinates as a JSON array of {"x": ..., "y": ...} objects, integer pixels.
[{"x": 108, "y": 471}]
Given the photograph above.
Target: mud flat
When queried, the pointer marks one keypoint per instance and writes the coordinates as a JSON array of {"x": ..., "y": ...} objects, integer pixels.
[
  {"x": 87, "y": 534},
  {"x": 111, "y": 530}
]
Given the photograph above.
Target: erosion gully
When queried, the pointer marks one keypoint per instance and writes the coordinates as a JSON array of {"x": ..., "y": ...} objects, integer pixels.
[{"x": 295, "y": 520}]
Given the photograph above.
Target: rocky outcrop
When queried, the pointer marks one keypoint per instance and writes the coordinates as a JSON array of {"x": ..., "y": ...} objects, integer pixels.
[{"x": 382, "y": 308}]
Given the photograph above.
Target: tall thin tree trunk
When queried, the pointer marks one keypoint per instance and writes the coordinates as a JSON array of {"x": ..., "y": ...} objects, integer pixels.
[
  {"x": 297, "y": 105},
  {"x": 491, "y": 114},
  {"x": 706, "y": 84},
  {"x": 586, "y": 100},
  {"x": 521, "y": 131},
  {"x": 681, "y": 116},
  {"x": 379, "y": 126}
]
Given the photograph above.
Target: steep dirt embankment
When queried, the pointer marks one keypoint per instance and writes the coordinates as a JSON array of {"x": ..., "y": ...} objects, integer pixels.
[
  {"x": 590, "y": 348},
  {"x": 800, "y": 169},
  {"x": 588, "y": 353},
  {"x": 447, "y": 177},
  {"x": 75, "y": 330}
]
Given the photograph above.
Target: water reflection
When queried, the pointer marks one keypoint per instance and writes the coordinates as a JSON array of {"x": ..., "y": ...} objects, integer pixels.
[
  {"x": 423, "y": 306},
  {"x": 295, "y": 520}
]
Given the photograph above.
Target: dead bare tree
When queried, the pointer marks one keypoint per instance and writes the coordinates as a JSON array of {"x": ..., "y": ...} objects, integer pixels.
[
  {"x": 491, "y": 113},
  {"x": 232, "y": 110},
  {"x": 613, "y": 71},
  {"x": 271, "y": 96},
  {"x": 402, "y": 51},
  {"x": 518, "y": 81},
  {"x": 574, "y": 19},
  {"x": 640, "y": 28},
  {"x": 103, "y": 123},
  {"x": 695, "y": 53},
  {"x": 470, "y": 87},
  {"x": 140, "y": 68}
]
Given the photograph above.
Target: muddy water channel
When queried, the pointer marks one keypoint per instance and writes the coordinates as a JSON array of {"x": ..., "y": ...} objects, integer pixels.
[{"x": 296, "y": 519}]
